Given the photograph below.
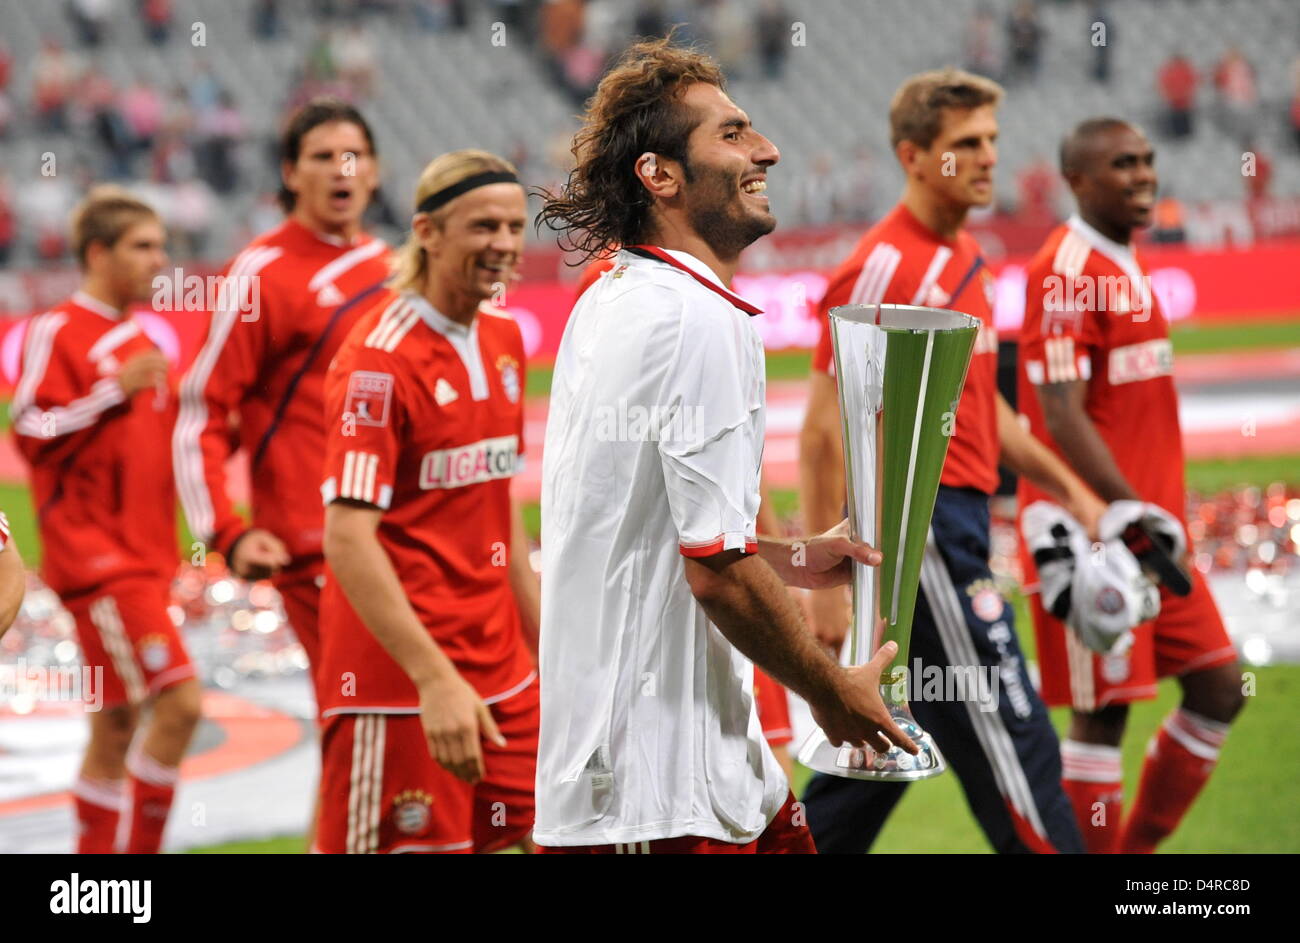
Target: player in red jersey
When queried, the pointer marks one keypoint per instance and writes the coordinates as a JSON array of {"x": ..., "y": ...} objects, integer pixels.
[
  {"x": 288, "y": 301},
  {"x": 93, "y": 412},
  {"x": 1096, "y": 383},
  {"x": 944, "y": 130},
  {"x": 429, "y": 691},
  {"x": 13, "y": 577}
]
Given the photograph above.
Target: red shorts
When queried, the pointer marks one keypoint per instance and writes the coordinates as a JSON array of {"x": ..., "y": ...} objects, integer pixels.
[
  {"x": 382, "y": 793},
  {"x": 1187, "y": 636},
  {"x": 786, "y": 834},
  {"x": 773, "y": 709},
  {"x": 301, "y": 600},
  {"x": 124, "y": 628}
]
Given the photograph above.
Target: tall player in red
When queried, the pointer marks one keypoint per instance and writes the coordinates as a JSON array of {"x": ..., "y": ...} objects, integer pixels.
[
  {"x": 93, "y": 413},
  {"x": 288, "y": 301},
  {"x": 1096, "y": 382},
  {"x": 943, "y": 127},
  {"x": 430, "y": 703}
]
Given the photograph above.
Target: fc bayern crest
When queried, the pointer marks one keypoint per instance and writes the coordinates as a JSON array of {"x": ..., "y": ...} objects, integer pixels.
[
  {"x": 411, "y": 812},
  {"x": 509, "y": 368},
  {"x": 155, "y": 653}
]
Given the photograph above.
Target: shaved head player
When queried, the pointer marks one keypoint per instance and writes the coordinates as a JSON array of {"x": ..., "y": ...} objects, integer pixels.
[{"x": 1096, "y": 383}]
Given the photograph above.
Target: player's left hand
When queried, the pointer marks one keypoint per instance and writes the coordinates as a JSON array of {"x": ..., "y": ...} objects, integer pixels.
[{"x": 828, "y": 559}]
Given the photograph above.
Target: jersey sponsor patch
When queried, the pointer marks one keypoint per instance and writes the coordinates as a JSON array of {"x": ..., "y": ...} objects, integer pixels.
[
  {"x": 1144, "y": 361},
  {"x": 369, "y": 396},
  {"x": 472, "y": 464}
]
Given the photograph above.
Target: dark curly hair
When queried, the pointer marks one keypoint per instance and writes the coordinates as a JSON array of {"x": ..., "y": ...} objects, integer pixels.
[{"x": 636, "y": 108}]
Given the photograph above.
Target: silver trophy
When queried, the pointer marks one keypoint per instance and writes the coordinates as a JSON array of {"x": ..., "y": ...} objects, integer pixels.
[{"x": 900, "y": 373}]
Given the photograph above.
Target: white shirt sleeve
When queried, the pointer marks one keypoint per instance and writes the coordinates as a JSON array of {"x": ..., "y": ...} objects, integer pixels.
[{"x": 710, "y": 433}]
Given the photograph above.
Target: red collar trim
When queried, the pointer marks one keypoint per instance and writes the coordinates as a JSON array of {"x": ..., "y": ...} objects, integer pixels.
[{"x": 663, "y": 256}]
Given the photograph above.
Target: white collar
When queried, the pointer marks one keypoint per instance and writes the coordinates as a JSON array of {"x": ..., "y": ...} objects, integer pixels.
[
  {"x": 1121, "y": 255},
  {"x": 437, "y": 320},
  {"x": 703, "y": 274},
  {"x": 91, "y": 303}
]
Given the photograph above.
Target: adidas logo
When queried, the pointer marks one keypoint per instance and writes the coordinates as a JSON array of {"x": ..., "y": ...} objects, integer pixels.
[
  {"x": 329, "y": 296},
  {"x": 936, "y": 298},
  {"x": 444, "y": 392}
]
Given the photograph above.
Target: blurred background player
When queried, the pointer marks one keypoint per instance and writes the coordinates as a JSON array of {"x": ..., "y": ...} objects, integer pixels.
[
  {"x": 430, "y": 697},
  {"x": 288, "y": 302},
  {"x": 657, "y": 592},
  {"x": 13, "y": 577},
  {"x": 1096, "y": 383},
  {"x": 93, "y": 412},
  {"x": 943, "y": 127}
]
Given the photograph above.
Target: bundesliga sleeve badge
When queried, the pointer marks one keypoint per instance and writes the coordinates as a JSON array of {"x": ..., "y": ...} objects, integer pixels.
[{"x": 369, "y": 396}]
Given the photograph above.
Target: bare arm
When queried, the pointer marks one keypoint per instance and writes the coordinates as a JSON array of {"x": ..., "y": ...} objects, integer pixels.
[
  {"x": 451, "y": 711},
  {"x": 746, "y": 600},
  {"x": 524, "y": 583},
  {"x": 1028, "y": 457},
  {"x": 1068, "y": 423},
  {"x": 821, "y": 497},
  {"x": 13, "y": 583}
]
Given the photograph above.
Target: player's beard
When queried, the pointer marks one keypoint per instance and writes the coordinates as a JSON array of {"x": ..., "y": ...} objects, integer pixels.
[{"x": 717, "y": 214}]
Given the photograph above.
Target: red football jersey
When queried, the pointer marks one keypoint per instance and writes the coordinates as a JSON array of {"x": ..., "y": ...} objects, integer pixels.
[
  {"x": 899, "y": 261},
  {"x": 593, "y": 271},
  {"x": 425, "y": 420},
  {"x": 1089, "y": 315},
  {"x": 101, "y": 464},
  {"x": 283, "y": 290}
]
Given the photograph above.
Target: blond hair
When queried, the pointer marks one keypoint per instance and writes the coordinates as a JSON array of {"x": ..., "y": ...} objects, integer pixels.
[
  {"x": 411, "y": 262},
  {"x": 916, "y": 112},
  {"x": 104, "y": 216}
]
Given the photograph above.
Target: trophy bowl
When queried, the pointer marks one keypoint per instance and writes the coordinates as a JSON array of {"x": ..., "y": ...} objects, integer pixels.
[{"x": 900, "y": 371}]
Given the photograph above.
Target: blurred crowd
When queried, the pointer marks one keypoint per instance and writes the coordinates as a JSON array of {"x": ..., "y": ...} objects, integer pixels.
[{"x": 187, "y": 145}]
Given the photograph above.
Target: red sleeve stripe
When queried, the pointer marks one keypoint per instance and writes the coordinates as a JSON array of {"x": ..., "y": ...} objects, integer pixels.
[
  {"x": 350, "y": 259},
  {"x": 36, "y": 358},
  {"x": 877, "y": 272},
  {"x": 4, "y": 530},
  {"x": 358, "y": 480},
  {"x": 932, "y": 272},
  {"x": 1061, "y": 367},
  {"x": 1071, "y": 254},
  {"x": 716, "y": 545},
  {"x": 81, "y": 413},
  {"x": 187, "y": 445},
  {"x": 394, "y": 324}
]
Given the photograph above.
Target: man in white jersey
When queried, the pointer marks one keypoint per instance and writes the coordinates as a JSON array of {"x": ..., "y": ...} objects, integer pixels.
[{"x": 656, "y": 593}]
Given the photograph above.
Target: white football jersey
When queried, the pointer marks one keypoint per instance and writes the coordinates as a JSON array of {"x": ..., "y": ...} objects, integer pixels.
[{"x": 654, "y": 444}]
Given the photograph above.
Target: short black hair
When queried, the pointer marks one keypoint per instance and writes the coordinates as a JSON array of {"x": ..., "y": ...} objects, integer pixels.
[
  {"x": 318, "y": 111},
  {"x": 1074, "y": 146}
]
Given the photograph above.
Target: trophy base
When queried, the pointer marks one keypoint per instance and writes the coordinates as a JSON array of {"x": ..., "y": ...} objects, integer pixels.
[{"x": 894, "y": 765}]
